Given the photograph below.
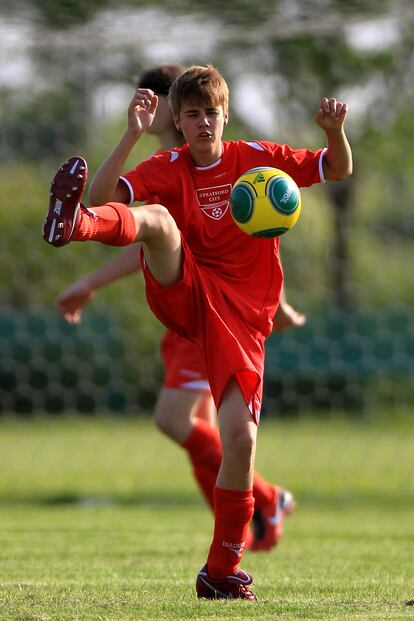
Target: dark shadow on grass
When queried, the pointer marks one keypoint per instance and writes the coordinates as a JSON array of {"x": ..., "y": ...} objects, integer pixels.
[
  {"x": 164, "y": 498},
  {"x": 348, "y": 499}
]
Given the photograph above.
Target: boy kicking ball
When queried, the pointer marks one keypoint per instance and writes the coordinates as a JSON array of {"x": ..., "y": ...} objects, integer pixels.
[
  {"x": 184, "y": 410},
  {"x": 205, "y": 279}
]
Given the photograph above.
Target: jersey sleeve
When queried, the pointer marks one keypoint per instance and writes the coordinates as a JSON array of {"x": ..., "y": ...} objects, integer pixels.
[
  {"x": 150, "y": 180},
  {"x": 303, "y": 165}
]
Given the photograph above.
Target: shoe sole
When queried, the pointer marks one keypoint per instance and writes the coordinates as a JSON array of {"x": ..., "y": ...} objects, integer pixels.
[{"x": 66, "y": 191}]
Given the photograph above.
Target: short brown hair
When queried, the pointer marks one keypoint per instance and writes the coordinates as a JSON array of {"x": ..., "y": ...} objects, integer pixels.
[
  {"x": 200, "y": 86},
  {"x": 159, "y": 79}
]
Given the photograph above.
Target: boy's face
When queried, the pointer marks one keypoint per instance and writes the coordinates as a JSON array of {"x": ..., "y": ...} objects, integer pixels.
[{"x": 203, "y": 129}]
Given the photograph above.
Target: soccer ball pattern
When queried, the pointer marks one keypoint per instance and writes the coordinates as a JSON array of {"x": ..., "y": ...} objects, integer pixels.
[{"x": 265, "y": 202}]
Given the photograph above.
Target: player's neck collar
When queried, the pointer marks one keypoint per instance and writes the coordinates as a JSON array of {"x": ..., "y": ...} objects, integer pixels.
[
  {"x": 213, "y": 165},
  {"x": 186, "y": 150}
]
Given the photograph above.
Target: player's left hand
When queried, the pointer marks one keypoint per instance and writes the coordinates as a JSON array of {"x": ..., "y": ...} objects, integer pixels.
[
  {"x": 331, "y": 114},
  {"x": 287, "y": 317}
]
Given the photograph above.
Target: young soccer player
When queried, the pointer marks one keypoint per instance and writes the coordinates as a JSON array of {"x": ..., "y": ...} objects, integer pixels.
[
  {"x": 185, "y": 410},
  {"x": 205, "y": 279}
]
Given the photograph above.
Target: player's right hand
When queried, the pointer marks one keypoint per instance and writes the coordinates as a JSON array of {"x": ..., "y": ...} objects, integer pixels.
[
  {"x": 287, "y": 317},
  {"x": 70, "y": 302},
  {"x": 141, "y": 110}
]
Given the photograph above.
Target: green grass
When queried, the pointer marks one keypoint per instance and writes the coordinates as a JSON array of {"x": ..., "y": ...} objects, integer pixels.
[{"x": 100, "y": 520}]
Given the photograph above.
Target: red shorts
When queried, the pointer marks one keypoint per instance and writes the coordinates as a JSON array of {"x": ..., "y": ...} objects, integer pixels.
[
  {"x": 183, "y": 363},
  {"x": 197, "y": 308}
]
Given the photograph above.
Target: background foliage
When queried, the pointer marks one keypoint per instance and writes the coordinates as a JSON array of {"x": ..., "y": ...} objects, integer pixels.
[{"x": 71, "y": 67}]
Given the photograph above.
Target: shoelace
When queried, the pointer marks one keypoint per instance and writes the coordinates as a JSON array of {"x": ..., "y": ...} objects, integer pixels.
[{"x": 246, "y": 592}]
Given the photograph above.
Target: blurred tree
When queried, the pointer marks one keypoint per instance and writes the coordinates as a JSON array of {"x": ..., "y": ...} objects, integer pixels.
[
  {"x": 308, "y": 49},
  {"x": 46, "y": 125},
  {"x": 304, "y": 48}
]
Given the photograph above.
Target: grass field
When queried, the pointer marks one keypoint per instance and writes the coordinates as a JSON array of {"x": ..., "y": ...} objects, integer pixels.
[{"x": 100, "y": 520}]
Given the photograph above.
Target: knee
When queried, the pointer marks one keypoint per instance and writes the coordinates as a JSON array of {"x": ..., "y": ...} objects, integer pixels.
[
  {"x": 160, "y": 212},
  {"x": 157, "y": 222},
  {"x": 163, "y": 421},
  {"x": 177, "y": 428},
  {"x": 240, "y": 444}
]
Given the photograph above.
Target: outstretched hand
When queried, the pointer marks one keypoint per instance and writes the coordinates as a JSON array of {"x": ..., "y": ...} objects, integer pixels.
[
  {"x": 141, "y": 110},
  {"x": 331, "y": 114},
  {"x": 70, "y": 302},
  {"x": 287, "y": 317}
]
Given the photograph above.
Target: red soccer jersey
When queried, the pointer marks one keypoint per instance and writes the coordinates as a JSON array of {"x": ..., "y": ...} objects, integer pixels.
[
  {"x": 198, "y": 200},
  {"x": 232, "y": 281}
]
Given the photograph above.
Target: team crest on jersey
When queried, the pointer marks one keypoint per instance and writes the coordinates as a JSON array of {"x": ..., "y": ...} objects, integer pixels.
[{"x": 214, "y": 202}]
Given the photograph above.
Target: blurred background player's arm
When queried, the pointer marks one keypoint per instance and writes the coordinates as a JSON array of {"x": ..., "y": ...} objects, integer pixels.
[
  {"x": 106, "y": 185},
  {"x": 70, "y": 302},
  {"x": 286, "y": 316},
  {"x": 337, "y": 161}
]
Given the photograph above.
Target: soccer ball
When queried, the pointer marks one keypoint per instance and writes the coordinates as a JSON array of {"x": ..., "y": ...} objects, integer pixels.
[{"x": 265, "y": 202}]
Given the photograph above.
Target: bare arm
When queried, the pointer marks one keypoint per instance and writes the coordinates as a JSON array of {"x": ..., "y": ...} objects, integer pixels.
[
  {"x": 337, "y": 162},
  {"x": 286, "y": 316},
  {"x": 106, "y": 185},
  {"x": 71, "y": 301}
]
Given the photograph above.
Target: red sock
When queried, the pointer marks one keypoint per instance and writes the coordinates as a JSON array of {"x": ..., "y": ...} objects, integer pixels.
[
  {"x": 111, "y": 224},
  {"x": 263, "y": 492},
  {"x": 233, "y": 512},
  {"x": 204, "y": 450}
]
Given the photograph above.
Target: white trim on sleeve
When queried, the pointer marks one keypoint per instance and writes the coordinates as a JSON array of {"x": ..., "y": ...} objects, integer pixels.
[
  {"x": 322, "y": 155},
  {"x": 131, "y": 191},
  {"x": 255, "y": 145}
]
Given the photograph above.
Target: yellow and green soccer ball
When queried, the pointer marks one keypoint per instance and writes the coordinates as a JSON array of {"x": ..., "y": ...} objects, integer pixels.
[{"x": 265, "y": 202}]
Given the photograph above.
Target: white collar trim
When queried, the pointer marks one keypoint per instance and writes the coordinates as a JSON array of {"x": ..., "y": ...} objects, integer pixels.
[{"x": 216, "y": 163}]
